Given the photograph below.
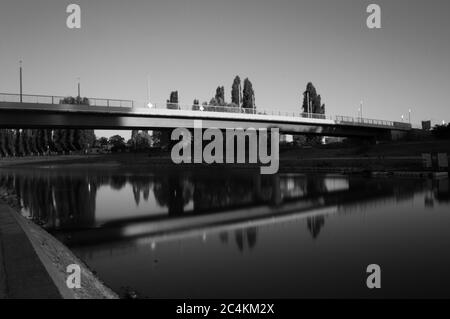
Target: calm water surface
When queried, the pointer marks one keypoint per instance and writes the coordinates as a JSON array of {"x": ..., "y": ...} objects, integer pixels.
[{"x": 231, "y": 234}]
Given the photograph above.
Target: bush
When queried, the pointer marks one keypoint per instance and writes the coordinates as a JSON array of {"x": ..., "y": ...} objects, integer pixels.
[{"x": 441, "y": 132}]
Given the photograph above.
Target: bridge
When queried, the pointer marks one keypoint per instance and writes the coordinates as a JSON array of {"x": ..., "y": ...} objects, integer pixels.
[{"x": 49, "y": 112}]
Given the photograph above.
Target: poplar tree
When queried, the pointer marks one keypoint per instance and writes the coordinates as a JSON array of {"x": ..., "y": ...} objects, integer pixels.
[
  {"x": 248, "y": 96},
  {"x": 236, "y": 91},
  {"x": 310, "y": 95},
  {"x": 220, "y": 96}
]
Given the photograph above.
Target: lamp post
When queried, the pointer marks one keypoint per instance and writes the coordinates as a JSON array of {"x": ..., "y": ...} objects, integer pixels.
[
  {"x": 409, "y": 116},
  {"x": 79, "y": 87},
  {"x": 20, "y": 76},
  {"x": 150, "y": 105},
  {"x": 361, "y": 109}
]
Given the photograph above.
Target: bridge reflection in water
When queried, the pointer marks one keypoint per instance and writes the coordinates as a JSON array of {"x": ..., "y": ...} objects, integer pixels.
[
  {"x": 169, "y": 203},
  {"x": 137, "y": 229}
]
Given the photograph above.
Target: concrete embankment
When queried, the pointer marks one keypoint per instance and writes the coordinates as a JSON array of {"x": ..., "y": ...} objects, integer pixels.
[
  {"x": 23, "y": 275},
  {"x": 33, "y": 263}
]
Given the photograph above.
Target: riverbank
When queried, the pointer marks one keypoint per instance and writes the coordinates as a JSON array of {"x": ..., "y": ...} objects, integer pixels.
[
  {"x": 300, "y": 163},
  {"x": 390, "y": 157},
  {"x": 33, "y": 263}
]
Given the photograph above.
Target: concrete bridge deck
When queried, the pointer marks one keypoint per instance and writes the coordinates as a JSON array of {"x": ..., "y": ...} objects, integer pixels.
[{"x": 169, "y": 116}]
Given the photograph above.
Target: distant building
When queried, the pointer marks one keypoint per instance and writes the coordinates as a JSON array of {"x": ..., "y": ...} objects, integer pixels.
[
  {"x": 426, "y": 125},
  {"x": 286, "y": 139},
  {"x": 331, "y": 140},
  {"x": 94, "y": 150}
]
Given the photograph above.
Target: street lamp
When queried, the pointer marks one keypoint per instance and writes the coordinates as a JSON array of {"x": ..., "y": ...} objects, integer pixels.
[
  {"x": 402, "y": 118},
  {"x": 20, "y": 75},
  {"x": 149, "y": 104},
  {"x": 409, "y": 115},
  {"x": 361, "y": 108},
  {"x": 79, "y": 87}
]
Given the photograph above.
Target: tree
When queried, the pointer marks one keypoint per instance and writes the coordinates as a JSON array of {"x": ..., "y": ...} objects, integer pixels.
[
  {"x": 312, "y": 104},
  {"x": 70, "y": 139},
  {"x": 156, "y": 138},
  {"x": 172, "y": 102},
  {"x": 196, "y": 105},
  {"x": 248, "y": 98},
  {"x": 59, "y": 143},
  {"x": 42, "y": 141},
  {"x": 19, "y": 151},
  {"x": 236, "y": 91},
  {"x": 220, "y": 96},
  {"x": 25, "y": 141},
  {"x": 441, "y": 132},
  {"x": 8, "y": 143},
  {"x": 75, "y": 100},
  {"x": 315, "y": 101},
  {"x": 174, "y": 97},
  {"x": 102, "y": 141},
  {"x": 32, "y": 142},
  {"x": 116, "y": 140},
  {"x": 3, "y": 143},
  {"x": 142, "y": 141},
  {"x": 89, "y": 138}
]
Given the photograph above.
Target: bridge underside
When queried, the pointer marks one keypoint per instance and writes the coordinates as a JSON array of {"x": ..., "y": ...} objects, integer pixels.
[{"x": 87, "y": 117}]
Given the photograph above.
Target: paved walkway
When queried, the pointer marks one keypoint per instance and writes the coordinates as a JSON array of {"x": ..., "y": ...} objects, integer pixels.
[{"x": 22, "y": 274}]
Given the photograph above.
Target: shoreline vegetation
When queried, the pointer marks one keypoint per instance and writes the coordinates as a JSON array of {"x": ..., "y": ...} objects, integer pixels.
[{"x": 389, "y": 157}]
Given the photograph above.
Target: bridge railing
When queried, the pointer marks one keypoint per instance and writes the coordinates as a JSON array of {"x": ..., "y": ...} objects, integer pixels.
[
  {"x": 371, "y": 122},
  {"x": 54, "y": 99},
  {"x": 236, "y": 109}
]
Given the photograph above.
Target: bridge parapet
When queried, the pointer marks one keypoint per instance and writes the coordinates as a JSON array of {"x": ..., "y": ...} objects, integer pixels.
[
  {"x": 236, "y": 109},
  {"x": 357, "y": 121},
  {"x": 56, "y": 100}
]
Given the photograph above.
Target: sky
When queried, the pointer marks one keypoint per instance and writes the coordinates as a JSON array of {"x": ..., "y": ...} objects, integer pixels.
[{"x": 193, "y": 46}]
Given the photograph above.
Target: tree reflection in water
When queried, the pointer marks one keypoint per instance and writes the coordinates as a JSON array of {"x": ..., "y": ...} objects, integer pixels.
[
  {"x": 315, "y": 224},
  {"x": 62, "y": 199}
]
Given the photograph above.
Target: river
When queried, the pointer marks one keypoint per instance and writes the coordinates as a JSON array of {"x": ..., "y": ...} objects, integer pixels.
[{"x": 213, "y": 233}]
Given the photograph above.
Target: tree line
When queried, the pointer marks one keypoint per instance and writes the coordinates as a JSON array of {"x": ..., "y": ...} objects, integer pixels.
[
  {"x": 27, "y": 142},
  {"x": 244, "y": 98}
]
